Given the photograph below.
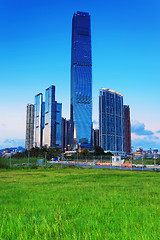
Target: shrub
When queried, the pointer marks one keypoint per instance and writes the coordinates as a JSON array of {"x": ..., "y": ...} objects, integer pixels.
[
  {"x": 4, "y": 164},
  {"x": 158, "y": 161}
]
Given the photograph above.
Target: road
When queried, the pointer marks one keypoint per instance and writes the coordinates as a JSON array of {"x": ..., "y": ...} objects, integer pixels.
[{"x": 135, "y": 167}]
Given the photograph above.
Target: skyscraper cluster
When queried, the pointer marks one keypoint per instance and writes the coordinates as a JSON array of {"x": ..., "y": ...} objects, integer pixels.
[
  {"x": 51, "y": 130},
  {"x": 43, "y": 121}
]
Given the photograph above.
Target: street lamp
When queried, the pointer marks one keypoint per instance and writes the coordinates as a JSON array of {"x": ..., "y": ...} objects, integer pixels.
[
  {"x": 68, "y": 146},
  {"x": 79, "y": 149}
]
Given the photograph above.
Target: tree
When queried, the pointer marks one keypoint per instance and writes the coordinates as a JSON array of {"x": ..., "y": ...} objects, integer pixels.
[
  {"x": 109, "y": 154},
  {"x": 158, "y": 161},
  {"x": 53, "y": 153},
  {"x": 98, "y": 150},
  {"x": 85, "y": 152}
]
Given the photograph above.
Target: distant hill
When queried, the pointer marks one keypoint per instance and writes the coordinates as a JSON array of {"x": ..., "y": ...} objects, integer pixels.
[{"x": 19, "y": 149}]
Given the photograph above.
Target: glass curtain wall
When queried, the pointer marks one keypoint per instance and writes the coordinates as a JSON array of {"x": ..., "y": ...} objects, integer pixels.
[{"x": 81, "y": 80}]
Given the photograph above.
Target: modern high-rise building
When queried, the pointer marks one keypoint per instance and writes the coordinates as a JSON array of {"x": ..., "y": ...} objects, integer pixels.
[
  {"x": 127, "y": 129},
  {"x": 58, "y": 124},
  {"x": 29, "y": 126},
  {"x": 111, "y": 121},
  {"x": 68, "y": 135},
  {"x": 81, "y": 80},
  {"x": 66, "y": 141},
  {"x": 63, "y": 134},
  {"x": 38, "y": 120},
  {"x": 49, "y": 135},
  {"x": 53, "y": 114},
  {"x": 95, "y": 137}
]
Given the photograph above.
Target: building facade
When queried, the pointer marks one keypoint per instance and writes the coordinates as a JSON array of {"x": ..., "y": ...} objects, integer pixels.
[
  {"x": 52, "y": 123},
  {"x": 49, "y": 136},
  {"x": 58, "y": 124},
  {"x": 38, "y": 120},
  {"x": 111, "y": 122},
  {"x": 81, "y": 81},
  {"x": 29, "y": 127},
  {"x": 127, "y": 129},
  {"x": 95, "y": 137},
  {"x": 63, "y": 134},
  {"x": 66, "y": 140}
]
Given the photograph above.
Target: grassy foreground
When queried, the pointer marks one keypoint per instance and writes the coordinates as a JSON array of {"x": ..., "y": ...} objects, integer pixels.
[{"x": 79, "y": 204}]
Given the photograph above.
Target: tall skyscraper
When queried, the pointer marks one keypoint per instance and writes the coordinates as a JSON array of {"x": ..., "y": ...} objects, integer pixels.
[
  {"x": 111, "y": 121},
  {"x": 95, "y": 137},
  {"x": 127, "y": 129},
  {"x": 49, "y": 135},
  {"x": 53, "y": 114},
  {"x": 38, "y": 120},
  {"x": 63, "y": 134},
  {"x": 29, "y": 126},
  {"x": 81, "y": 80},
  {"x": 58, "y": 124},
  {"x": 66, "y": 126}
]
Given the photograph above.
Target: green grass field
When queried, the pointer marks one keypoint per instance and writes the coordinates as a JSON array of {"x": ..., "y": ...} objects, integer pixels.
[
  {"x": 79, "y": 204},
  {"x": 145, "y": 161}
]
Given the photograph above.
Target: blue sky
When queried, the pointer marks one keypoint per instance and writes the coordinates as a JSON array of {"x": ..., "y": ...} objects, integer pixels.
[{"x": 35, "y": 52}]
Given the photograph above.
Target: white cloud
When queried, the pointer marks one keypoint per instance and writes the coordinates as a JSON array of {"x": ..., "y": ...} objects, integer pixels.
[
  {"x": 139, "y": 129},
  {"x": 12, "y": 143},
  {"x": 144, "y": 138}
]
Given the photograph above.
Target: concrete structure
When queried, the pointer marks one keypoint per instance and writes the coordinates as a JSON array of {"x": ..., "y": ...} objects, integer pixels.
[
  {"x": 116, "y": 160},
  {"x": 29, "y": 127}
]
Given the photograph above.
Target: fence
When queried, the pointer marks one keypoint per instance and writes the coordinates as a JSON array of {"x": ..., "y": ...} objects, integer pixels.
[
  {"x": 29, "y": 162},
  {"x": 76, "y": 160}
]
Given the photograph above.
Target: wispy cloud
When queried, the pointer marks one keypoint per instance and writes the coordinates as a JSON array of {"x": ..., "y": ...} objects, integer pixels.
[
  {"x": 142, "y": 137},
  {"x": 139, "y": 129}
]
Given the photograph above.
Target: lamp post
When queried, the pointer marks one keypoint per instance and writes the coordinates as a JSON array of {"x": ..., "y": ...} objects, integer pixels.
[
  {"x": 45, "y": 158},
  {"x": 61, "y": 159},
  {"x": 79, "y": 150},
  {"x": 68, "y": 147},
  {"x": 28, "y": 158},
  {"x": 10, "y": 160}
]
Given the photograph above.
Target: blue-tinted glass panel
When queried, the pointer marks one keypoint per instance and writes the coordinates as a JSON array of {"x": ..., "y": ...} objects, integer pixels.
[{"x": 81, "y": 78}]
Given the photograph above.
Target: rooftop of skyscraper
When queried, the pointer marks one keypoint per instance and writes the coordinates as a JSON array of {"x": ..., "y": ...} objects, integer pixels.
[
  {"x": 82, "y": 13},
  {"x": 112, "y": 91}
]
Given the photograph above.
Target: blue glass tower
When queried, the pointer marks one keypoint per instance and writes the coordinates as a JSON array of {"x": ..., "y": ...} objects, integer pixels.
[
  {"x": 111, "y": 122},
  {"x": 58, "y": 124},
  {"x": 49, "y": 136},
  {"x": 38, "y": 120},
  {"x": 53, "y": 116},
  {"x": 81, "y": 80}
]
